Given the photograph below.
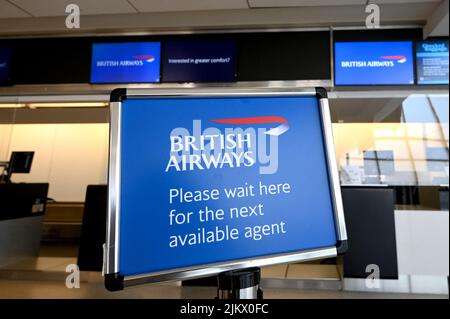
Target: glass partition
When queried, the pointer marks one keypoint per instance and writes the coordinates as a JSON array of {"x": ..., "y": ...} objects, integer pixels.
[
  {"x": 402, "y": 142},
  {"x": 392, "y": 141}
]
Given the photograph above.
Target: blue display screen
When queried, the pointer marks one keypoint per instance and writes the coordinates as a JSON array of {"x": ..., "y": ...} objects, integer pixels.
[
  {"x": 5, "y": 65},
  {"x": 374, "y": 63},
  {"x": 132, "y": 62},
  {"x": 199, "y": 61},
  {"x": 432, "y": 62},
  {"x": 210, "y": 180}
]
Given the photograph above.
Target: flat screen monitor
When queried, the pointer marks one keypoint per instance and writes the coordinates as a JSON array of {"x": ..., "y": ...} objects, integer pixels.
[
  {"x": 374, "y": 63},
  {"x": 432, "y": 62},
  {"x": 199, "y": 61},
  {"x": 131, "y": 62},
  {"x": 20, "y": 162},
  {"x": 5, "y": 66}
]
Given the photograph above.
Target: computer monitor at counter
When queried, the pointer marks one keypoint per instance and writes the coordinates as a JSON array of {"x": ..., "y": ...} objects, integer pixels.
[{"x": 19, "y": 162}]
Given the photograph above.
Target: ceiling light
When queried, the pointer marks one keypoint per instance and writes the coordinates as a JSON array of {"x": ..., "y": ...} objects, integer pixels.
[{"x": 11, "y": 105}]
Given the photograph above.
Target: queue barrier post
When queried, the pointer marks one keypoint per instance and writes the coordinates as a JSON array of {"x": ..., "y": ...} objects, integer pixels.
[{"x": 240, "y": 284}]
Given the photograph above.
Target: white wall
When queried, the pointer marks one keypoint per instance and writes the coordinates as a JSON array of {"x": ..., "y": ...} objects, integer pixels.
[
  {"x": 5, "y": 138},
  {"x": 68, "y": 156},
  {"x": 422, "y": 242},
  {"x": 422, "y": 255}
]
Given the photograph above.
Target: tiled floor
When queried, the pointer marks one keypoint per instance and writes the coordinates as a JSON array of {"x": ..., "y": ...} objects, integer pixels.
[
  {"x": 42, "y": 264},
  {"x": 58, "y": 250},
  {"x": 44, "y": 277},
  {"x": 293, "y": 271},
  {"x": 57, "y": 289}
]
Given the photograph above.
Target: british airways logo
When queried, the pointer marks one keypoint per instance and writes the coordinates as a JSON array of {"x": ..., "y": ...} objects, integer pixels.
[
  {"x": 231, "y": 143},
  {"x": 146, "y": 58},
  {"x": 283, "y": 127},
  {"x": 137, "y": 60},
  {"x": 397, "y": 58},
  {"x": 386, "y": 61}
]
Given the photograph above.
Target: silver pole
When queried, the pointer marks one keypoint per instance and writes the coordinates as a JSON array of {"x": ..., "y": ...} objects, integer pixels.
[{"x": 239, "y": 284}]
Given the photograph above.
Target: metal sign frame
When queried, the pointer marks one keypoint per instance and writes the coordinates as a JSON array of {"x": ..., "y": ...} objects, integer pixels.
[{"x": 115, "y": 281}]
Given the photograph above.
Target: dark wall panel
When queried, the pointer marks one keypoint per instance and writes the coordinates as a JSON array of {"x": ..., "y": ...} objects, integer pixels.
[
  {"x": 260, "y": 56},
  {"x": 284, "y": 56},
  {"x": 378, "y": 35},
  {"x": 51, "y": 61}
]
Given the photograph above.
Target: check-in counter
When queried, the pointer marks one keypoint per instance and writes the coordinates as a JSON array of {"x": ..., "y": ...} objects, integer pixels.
[
  {"x": 369, "y": 214},
  {"x": 401, "y": 231},
  {"x": 22, "y": 209}
]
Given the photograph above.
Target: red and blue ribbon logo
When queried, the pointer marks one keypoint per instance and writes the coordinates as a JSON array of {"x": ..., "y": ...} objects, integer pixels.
[{"x": 274, "y": 119}]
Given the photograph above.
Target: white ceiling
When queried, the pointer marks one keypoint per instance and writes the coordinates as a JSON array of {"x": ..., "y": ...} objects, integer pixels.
[
  {"x": 187, "y": 5},
  {"x": 437, "y": 22},
  {"x": 401, "y": 1},
  {"x": 301, "y": 3},
  {"x": 314, "y": 3},
  {"x": 43, "y": 15},
  {"x": 7, "y": 10},
  {"x": 51, "y": 8}
]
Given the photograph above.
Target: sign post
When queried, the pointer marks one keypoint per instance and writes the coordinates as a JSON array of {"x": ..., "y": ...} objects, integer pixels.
[
  {"x": 204, "y": 181},
  {"x": 239, "y": 284}
]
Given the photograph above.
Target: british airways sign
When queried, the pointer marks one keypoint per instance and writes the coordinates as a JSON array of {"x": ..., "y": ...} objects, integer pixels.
[
  {"x": 374, "y": 63},
  {"x": 234, "y": 148},
  {"x": 210, "y": 178},
  {"x": 134, "y": 62}
]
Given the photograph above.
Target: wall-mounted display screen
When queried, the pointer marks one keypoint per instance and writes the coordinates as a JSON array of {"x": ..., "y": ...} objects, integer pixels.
[
  {"x": 5, "y": 65},
  {"x": 131, "y": 62},
  {"x": 432, "y": 62},
  {"x": 374, "y": 63},
  {"x": 199, "y": 61}
]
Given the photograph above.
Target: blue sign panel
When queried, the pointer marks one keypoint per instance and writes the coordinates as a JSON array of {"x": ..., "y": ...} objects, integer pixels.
[
  {"x": 374, "y": 63},
  {"x": 217, "y": 179},
  {"x": 5, "y": 65},
  {"x": 133, "y": 62},
  {"x": 199, "y": 61},
  {"x": 432, "y": 62}
]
